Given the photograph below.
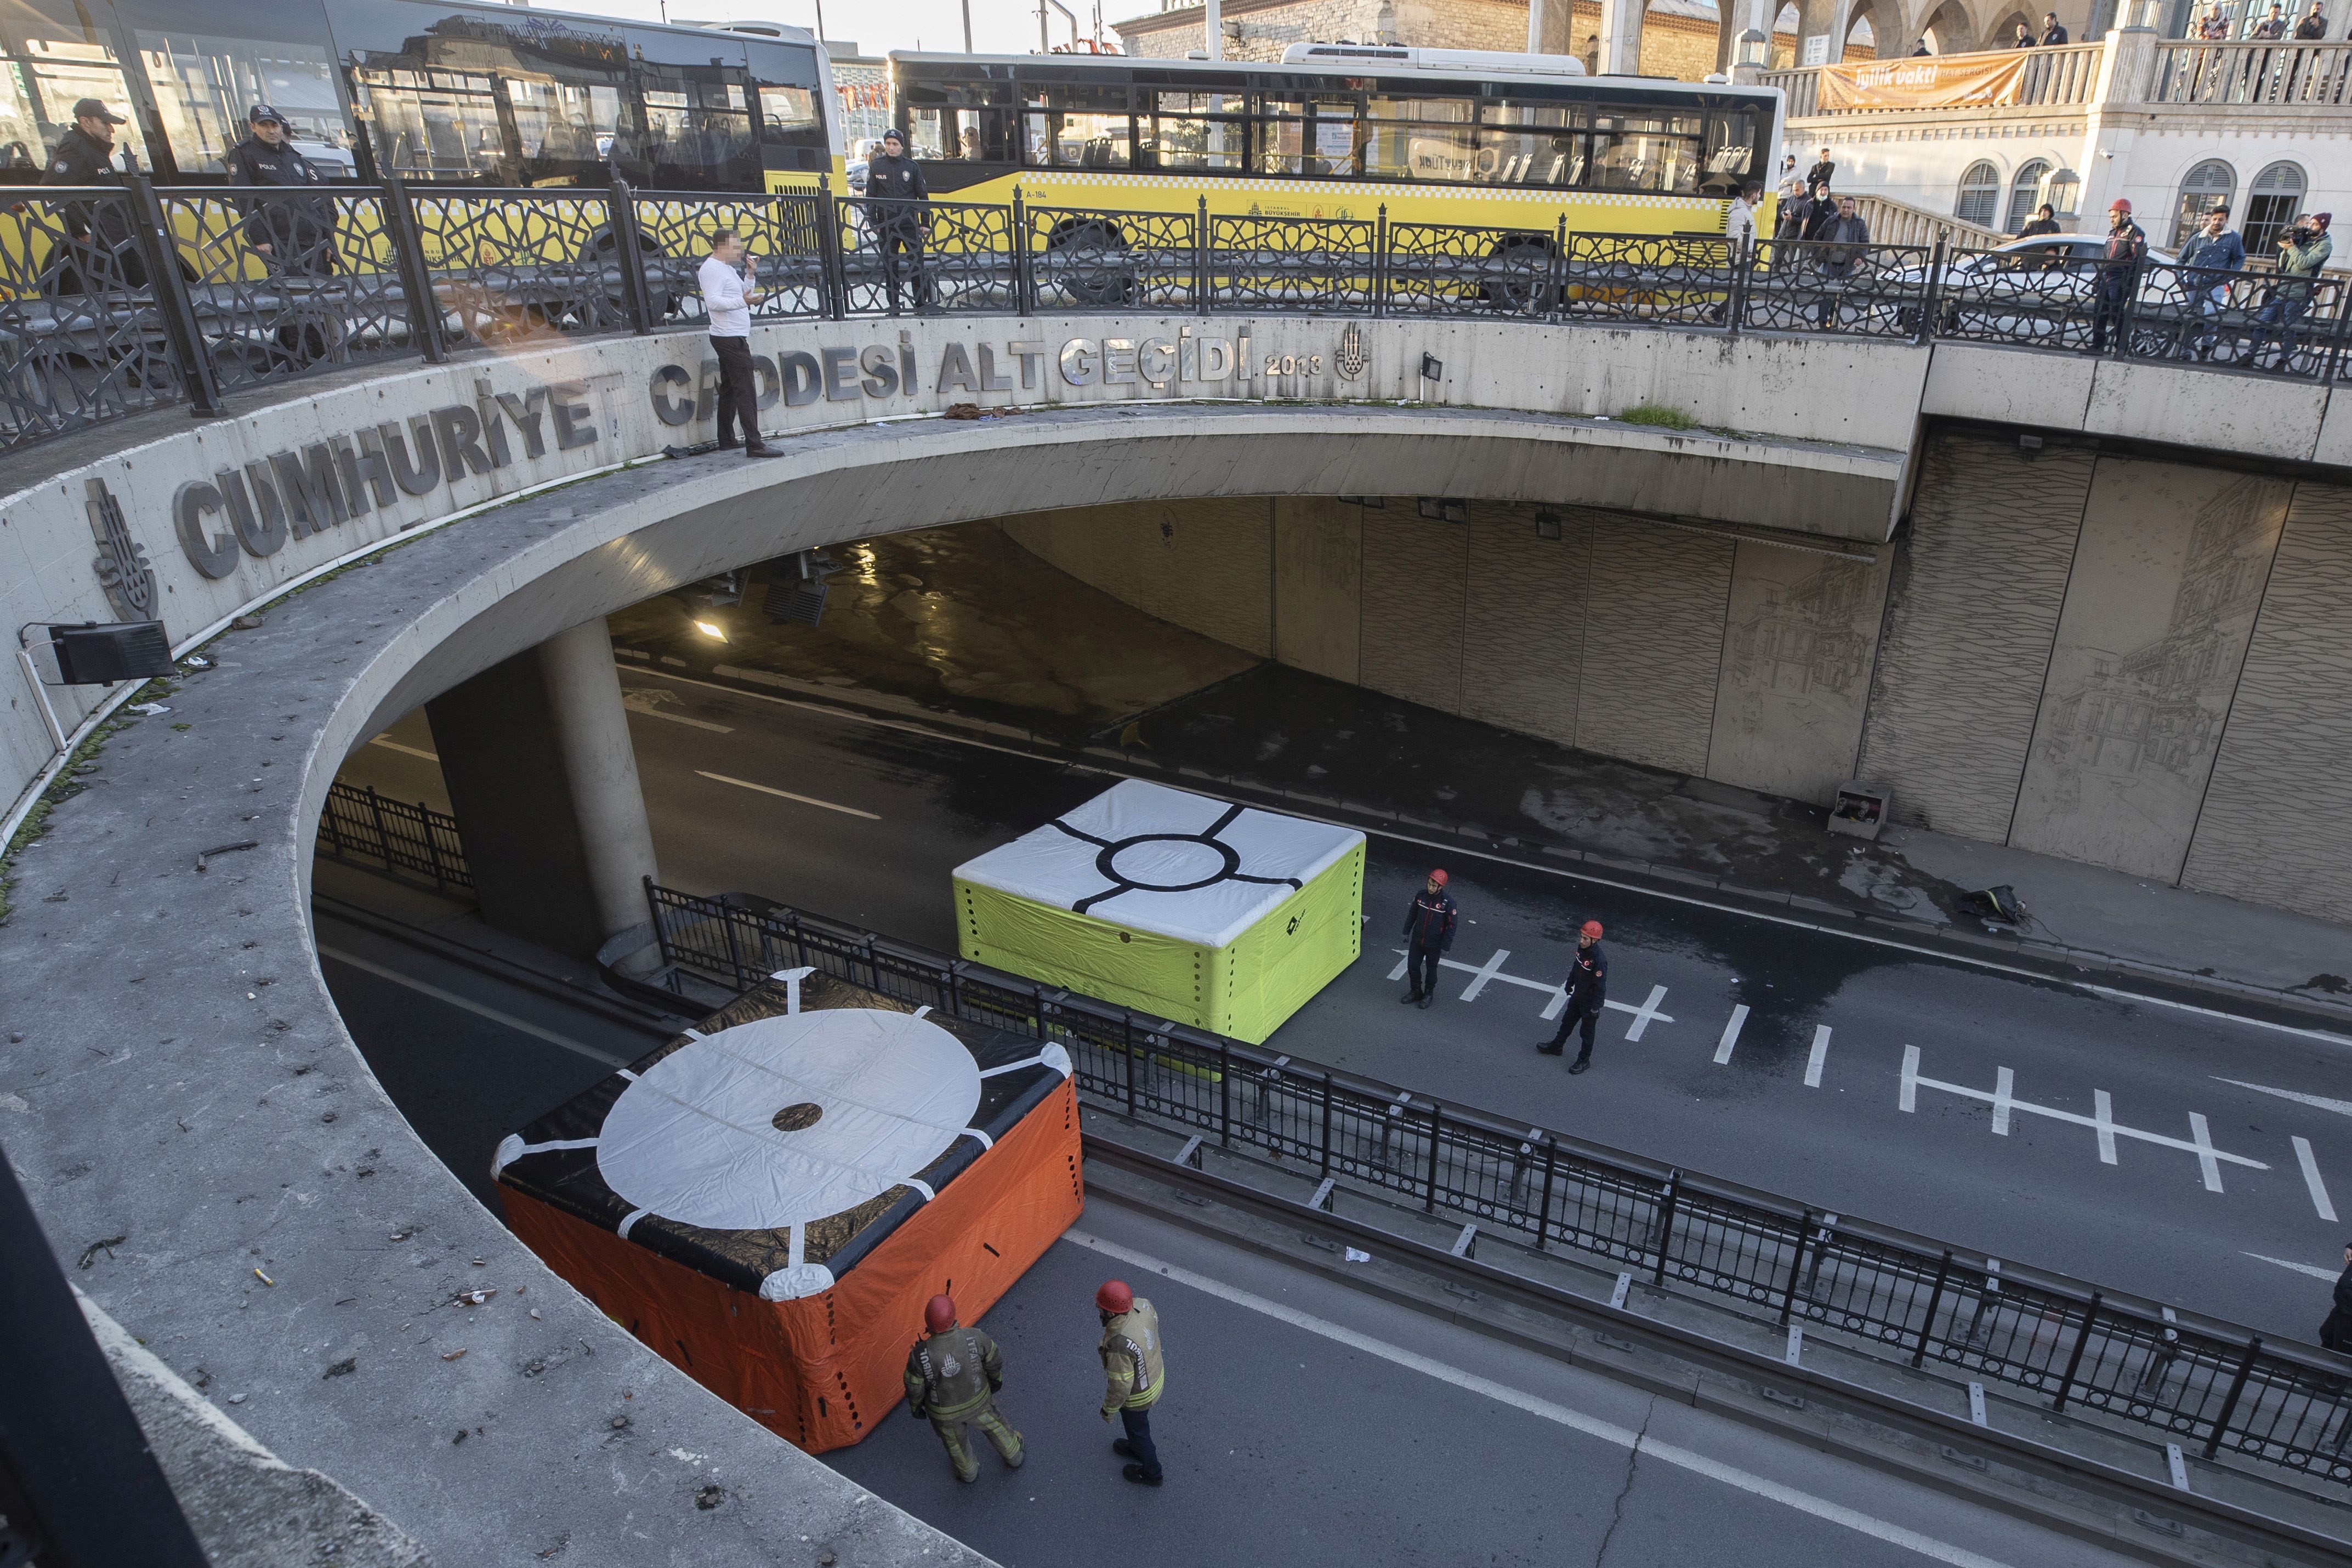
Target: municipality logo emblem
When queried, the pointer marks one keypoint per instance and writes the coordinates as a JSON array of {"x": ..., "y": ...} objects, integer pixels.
[
  {"x": 123, "y": 570},
  {"x": 1350, "y": 359}
]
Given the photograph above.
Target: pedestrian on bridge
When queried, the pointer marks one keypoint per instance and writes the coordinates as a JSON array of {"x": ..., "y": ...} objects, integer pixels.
[
  {"x": 898, "y": 201},
  {"x": 728, "y": 297},
  {"x": 953, "y": 1377},
  {"x": 1428, "y": 932},
  {"x": 1588, "y": 993},
  {"x": 1135, "y": 1371},
  {"x": 2335, "y": 1332}
]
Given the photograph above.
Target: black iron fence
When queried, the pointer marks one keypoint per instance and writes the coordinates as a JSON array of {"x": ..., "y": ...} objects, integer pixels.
[
  {"x": 2145, "y": 1368},
  {"x": 358, "y": 822},
  {"x": 118, "y": 299}
]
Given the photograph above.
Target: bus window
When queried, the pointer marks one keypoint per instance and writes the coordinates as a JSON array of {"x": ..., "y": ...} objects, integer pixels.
[
  {"x": 52, "y": 62},
  {"x": 432, "y": 124},
  {"x": 698, "y": 129},
  {"x": 1428, "y": 138},
  {"x": 566, "y": 130},
  {"x": 1078, "y": 127},
  {"x": 792, "y": 134},
  {"x": 1636, "y": 152},
  {"x": 1531, "y": 144},
  {"x": 204, "y": 85},
  {"x": 1317, "y": 138},
  {"x": 1192, "y": 130},
  {"x": 1731, "y": 157}
]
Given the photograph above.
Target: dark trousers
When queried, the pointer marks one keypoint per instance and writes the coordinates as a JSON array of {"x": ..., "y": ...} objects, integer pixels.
[
  {"x": 2336, "y": 1333},
  {"x": 1139, "y": 1438},
  {"x": 1581, "y": 1009},
  {"x": 738, "y": 391},
  {"x": 896, "y": 238},
  {"x": 2108, "y": 312},
  {"x": 1421, "y": 970}
]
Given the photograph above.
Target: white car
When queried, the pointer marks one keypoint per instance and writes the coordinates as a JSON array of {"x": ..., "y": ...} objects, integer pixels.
[{"x": 2035, "y": 290}]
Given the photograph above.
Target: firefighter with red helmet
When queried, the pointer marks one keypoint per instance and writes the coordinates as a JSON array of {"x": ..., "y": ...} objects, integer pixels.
[
  {"x": 953, "y": 1377},
  {"x": 1134, "y": 1372},
  {"x": 1588, "y": 993}
]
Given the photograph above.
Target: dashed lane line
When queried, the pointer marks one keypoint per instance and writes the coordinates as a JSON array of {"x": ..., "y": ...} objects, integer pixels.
[
  {"x": 1543, "y": 1409},
  {"x": 1730, "y": 1035},
  {"x": 1492, "y": 969},
  {"x": 787, "y": 795},
  {"x": 2314, "y": 1271},
  {"x": 392, "y": 745},
  {"x": 2318, "y": 1102},
  {"x": 1819, "y": 1056},
  {"x": 1456, "y": 847},
  {"x": 2318, "y": 1189}
]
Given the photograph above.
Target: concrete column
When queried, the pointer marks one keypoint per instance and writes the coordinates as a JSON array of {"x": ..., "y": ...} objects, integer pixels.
[
  {"x": 1621, "y": 37},
  {"x": 536, "y": 756},
  {"x": 2127, "y": 60}
]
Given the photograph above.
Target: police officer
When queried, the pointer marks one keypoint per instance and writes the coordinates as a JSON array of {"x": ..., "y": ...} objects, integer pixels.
[
  {"x": 953, "y": 1377},
  {"x": 1587, "y": 992},
  {"x": 1134, "y": 1374},
  {"x": 295, "y": 233},
  {"x": 1428, "y": 931},
  {"x": 898, "y": 200},
  {"x": 100, "y": 249}
]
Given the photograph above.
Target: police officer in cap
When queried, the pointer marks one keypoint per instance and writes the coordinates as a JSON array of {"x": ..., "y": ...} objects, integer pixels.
[
  {"x": 1134, "y": 1374},
  {"x": 99, "y": 233},
  {"x": 953, "y": 1377},
  {"x": 297, "y": 233},
  {"x": 1588, "y": 993},
  {"x": 898, "y": 199}
]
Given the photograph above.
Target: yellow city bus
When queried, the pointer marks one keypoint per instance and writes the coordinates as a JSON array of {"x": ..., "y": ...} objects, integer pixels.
[{"x": 1435, "y": 136}]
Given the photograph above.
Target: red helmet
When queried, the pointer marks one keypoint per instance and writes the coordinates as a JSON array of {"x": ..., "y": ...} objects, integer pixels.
[
  {"x": 939, "y": 1315},
  {"x": 1592, "y": 930},
  {"x": 1113, "y": 1297},
  {"x": 1438, "y": 878}
]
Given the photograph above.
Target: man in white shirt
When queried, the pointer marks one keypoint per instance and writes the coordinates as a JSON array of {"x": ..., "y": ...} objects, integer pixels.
[
  {"x": 1739, "y": 221},
  {"x": 726, "y": 298}
]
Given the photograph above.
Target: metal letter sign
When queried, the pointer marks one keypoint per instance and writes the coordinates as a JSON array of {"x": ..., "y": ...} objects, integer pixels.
[{"x": 121, "y": 565}]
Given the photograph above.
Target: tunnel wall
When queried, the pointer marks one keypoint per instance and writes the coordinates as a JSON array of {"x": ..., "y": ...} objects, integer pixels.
[{"x": 2139, "y": 663}]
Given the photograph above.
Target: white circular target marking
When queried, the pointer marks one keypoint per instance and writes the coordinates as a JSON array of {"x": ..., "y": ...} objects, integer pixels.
[{"x": 720, "y": 1133}]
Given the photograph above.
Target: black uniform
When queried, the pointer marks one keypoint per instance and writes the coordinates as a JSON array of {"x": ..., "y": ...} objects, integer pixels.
[
  {"x": 898, "y": 201},
  {"x": 2336, "y": 1333},
  {"x": 1588, "y": 991},
  {"x": 299, "y": 229},
  {"x": 100, "y": 251},
  {"x": 1428, "y": 931}
]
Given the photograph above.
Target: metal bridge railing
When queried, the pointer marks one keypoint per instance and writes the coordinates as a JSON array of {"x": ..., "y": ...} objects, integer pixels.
[
  {"x": 2140, "y": 1367},
  {"x": 414, "y": 838},
  {"x": 114, "y": 299}
]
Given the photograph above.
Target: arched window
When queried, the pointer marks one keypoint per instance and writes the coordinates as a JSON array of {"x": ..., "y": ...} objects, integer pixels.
[
  {"x": 2210, "y": 182},
  {"x": 2025, "y": 193},
  {"x": 2273, "y": 203},
  {"x": 1980, "y": 200}
]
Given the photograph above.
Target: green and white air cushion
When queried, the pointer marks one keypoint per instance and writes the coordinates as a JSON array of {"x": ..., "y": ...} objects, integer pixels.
[{"x": 1188, "y": 909}]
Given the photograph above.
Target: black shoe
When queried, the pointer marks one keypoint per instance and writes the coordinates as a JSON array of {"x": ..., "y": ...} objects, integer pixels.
[
  {"x": 1135, "y": 1473},
  {"x": 1579, "y": 1064},
  {"x": 1409, "y": 996},
  {"x": 762, "y": 449},
  {"x": 1426, "y": 1001},
  {"x": 729, "y": 445},
  {"x": 1122, "y": 1447},
  {"x": 1549, "y": 1049}
]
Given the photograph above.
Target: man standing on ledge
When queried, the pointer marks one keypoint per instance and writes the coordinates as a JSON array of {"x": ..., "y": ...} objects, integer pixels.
[
  {"x": 1588, "y": 993},
  {"x": 726, "y": 298},
  {"x": 1428, "y": 931},
  {"x": 1135, "y": 1371}
]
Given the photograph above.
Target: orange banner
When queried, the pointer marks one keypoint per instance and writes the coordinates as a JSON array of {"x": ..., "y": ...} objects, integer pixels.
[{"x": 1960, "y": 82}]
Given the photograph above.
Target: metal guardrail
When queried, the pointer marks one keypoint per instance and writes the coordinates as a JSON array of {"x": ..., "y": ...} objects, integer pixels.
[
  {"x": 2140, "y": 1367},
  {"x": 414, "y": 838},
  {"x": 115, "y": 300}
]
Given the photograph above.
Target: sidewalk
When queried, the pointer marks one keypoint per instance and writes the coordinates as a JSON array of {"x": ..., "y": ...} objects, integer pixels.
[{"x": 962, "y": 629}]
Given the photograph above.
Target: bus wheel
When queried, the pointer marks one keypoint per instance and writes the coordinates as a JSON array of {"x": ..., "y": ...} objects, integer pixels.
[
  {"x": 1520, "y": 284},
  {"x": 1089, "y": 258}
]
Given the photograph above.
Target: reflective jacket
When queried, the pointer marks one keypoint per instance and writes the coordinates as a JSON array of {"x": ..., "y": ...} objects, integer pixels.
[
  {"x": 1430, "y": 921},
  {"x": 1132, "y": 1367},
  {"x": 953, "y": 1374}
]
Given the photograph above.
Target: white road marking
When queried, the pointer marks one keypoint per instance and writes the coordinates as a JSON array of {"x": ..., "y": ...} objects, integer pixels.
[
  {"x": 1819, "y": 1056},
  {"x": 2003, "y": 1101},
  {"x": 1730, "y": 1035},
  {"x": 2316, "y": 1273},
  {"x": 1647, "y": 1011},
  {"x": 2310, "y": 1163},
  {"x": 391, "y": 745},
  {"x": 2318, "y": 1102},
  {"x": 2206, "y": 1160},
  {"x": 470, "y": 1006},
  {"x": 1484, "y": 972},
  {"x": 1643, "y": 1015},
  {"x": 2103, "y": 1105},
  {"x": 787, "y": 795},
  {"x": 1456, "y": 847},
  {"x": 1607, "y": 1431},
  {"x": 653, "y": 710}
]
